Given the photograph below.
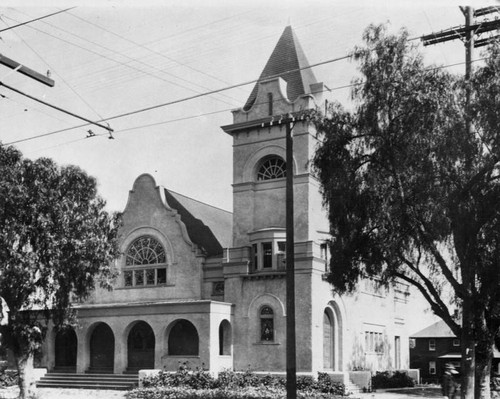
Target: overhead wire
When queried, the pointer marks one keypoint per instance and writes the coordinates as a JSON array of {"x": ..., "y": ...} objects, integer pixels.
[
  {"x": 149, "y": 49},
  {"x": 54, "y": 70},
  {"x": 181, "y": 100},
  {"x": 142, "y": 46},
  {"x": 210, "y": 113},
  {"x": 35, "y": 19},
  {"x": 114, "y": 60}
]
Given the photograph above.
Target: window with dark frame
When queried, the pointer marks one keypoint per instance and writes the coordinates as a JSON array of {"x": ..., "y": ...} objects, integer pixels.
[
  {"x": 266, "y": 324},
  {"x": 432, "y": 344},
  {"x": 143, "y": 252},
  {"x": 267, "y": 255},
  {"x": 272, "y": 168},
  {"x": 432, "y": 367}
]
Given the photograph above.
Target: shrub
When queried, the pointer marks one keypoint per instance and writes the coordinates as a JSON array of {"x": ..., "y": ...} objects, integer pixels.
[
  {"x": 324, "y": 384},
  {"x": 8, "y": 378},
  {"x": 243, "y": 393},
  {"x": 198, "y": 383},
  {"x": 386, "y": 379},
  {"x": 305, "y": 383},
  {"x": 193, "y": 384},
  {"x": 183, "y": 377}
]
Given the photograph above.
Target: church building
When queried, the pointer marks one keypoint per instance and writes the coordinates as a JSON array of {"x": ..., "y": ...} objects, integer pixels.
[{"x": 202, "y": 285}]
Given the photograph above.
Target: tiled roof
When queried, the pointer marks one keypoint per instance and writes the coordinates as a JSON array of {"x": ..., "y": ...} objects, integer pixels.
[
  {"x": 437, "y": 330},
  {"x": 287, "y": 56},
  {"x": 208, "y": 227}
]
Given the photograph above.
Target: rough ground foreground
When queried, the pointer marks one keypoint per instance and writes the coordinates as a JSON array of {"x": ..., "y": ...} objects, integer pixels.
[
  {"x": 62, "y": 393},
  {"x": 53, "y": 393}
]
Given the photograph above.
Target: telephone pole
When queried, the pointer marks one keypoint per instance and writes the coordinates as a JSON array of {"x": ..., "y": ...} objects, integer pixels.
[
  {"x": 291, "y": 366},
  {"x": 470, "y": 34}
]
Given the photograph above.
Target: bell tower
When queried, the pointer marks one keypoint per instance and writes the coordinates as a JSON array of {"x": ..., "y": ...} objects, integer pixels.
[{"x": 287, "y": 85}]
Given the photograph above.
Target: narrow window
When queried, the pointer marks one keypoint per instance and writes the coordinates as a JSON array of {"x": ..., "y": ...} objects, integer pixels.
[
  {"x": 128, "y": 278},
  {"x": 281, "y": 255},
  {"x": 267, "y": 253},
  {"x": 150, "y": 276},
  {"x": 432, "y": 344},
  {"x": 270, "y": 103},
  {"x": 432, "y": 367},
  {"x": 324, "y": 254},
  {"x": 255, "y": 254},
  {"x": 266, "y": 324},
  {"x": 139, "y": 277},
  {"x": 161, "y": 276}
]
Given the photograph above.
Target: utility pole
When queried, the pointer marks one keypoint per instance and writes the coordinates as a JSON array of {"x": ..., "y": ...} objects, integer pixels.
[
  {"x": 291, "y": 366},
  {"x": 467, "y": 34}
]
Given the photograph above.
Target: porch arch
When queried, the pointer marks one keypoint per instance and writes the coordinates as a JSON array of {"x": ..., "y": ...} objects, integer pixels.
[
  {"x": 140, "y": 346},
  {"x": 65, "y": 349},
  {"x": 102, "y": 348},
  {"x": 183, "y": 339}
]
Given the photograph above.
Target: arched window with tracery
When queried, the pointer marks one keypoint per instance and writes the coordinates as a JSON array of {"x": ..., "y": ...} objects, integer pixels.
[
  {"x": 271, "y": 168},
  {"x": 145, "y": 262},
  {"x": 266, "y": 324}
]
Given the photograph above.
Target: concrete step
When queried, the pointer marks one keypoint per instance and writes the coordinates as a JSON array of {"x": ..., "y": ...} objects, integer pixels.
[
  {"x": 99, "y": 370},
  {"x": 88, "y": 381}
]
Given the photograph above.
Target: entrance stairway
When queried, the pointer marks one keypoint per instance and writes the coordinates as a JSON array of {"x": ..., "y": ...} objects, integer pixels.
[{"x": 88, "y": 381}]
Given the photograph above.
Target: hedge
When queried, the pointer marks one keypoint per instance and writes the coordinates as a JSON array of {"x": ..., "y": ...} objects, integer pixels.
[
  {"x": 221, "y": 393},
  {"x": 192, "y": 384}
]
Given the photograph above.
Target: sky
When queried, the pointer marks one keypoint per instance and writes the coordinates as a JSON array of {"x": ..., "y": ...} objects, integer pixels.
[{"x": 112, "y": 58}]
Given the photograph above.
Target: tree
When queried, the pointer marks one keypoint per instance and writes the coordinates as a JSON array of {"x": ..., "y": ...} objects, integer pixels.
[
  {"x": 56, "y": 242},
  {"x": 411, "y": 195}
]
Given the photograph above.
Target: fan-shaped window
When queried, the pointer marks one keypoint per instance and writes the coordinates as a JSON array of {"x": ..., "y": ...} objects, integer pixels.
[
  {"x": 142, "y": 253},
  {"x": 145, "y": 251},
  {"x": 272, "y": 168}
]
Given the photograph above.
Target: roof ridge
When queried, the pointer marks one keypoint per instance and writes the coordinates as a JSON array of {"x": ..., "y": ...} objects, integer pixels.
[{"x": 196, "y": 200}]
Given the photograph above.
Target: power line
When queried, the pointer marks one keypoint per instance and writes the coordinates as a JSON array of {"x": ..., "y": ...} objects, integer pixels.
[
  {"x": 186, "y": 98},
  {"x": 206, "y": 114},
  {"x": 131, "y": 59},
  {"x": 52, "y": 68},
  {"x": 149, "y": 49},
  {"x": 113, "y": 60},
  {"x": 56, "y": 107},
  {"x": 36, "y": 19}
]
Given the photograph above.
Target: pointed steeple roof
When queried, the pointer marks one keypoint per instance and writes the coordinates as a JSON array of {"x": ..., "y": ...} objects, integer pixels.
[{"x": 288, "y": 62}]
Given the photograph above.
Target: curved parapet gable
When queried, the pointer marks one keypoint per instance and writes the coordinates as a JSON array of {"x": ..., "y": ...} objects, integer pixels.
[{"x": 145, "y": 190}]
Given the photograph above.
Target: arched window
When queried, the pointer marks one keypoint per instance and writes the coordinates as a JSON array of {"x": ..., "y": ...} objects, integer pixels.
[
  {"x": 224, "y": 338},
  {"x": 183, "y": 339},
  {"x": 266, "y": 324},
  {"x": 328, "y": 342},
  {"x": 272, "y": 168},
  {"x": 144, "y": 252}
]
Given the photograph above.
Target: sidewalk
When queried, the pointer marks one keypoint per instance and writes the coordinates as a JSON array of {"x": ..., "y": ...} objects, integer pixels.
[{"x": 402, "y": 393}]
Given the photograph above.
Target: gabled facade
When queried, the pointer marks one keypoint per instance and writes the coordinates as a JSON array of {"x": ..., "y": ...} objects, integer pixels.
[
  {"x": 201, "y": 285},
  {"x": 432, "y": 348}
]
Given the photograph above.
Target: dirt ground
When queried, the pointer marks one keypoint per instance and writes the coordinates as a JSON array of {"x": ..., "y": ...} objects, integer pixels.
[{"x": 62, "y": 393}]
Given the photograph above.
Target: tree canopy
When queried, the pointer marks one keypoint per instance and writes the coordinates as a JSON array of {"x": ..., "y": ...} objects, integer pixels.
[
  {"x": 412, "y": 194},
  {"x": 56, "y": 242}
]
